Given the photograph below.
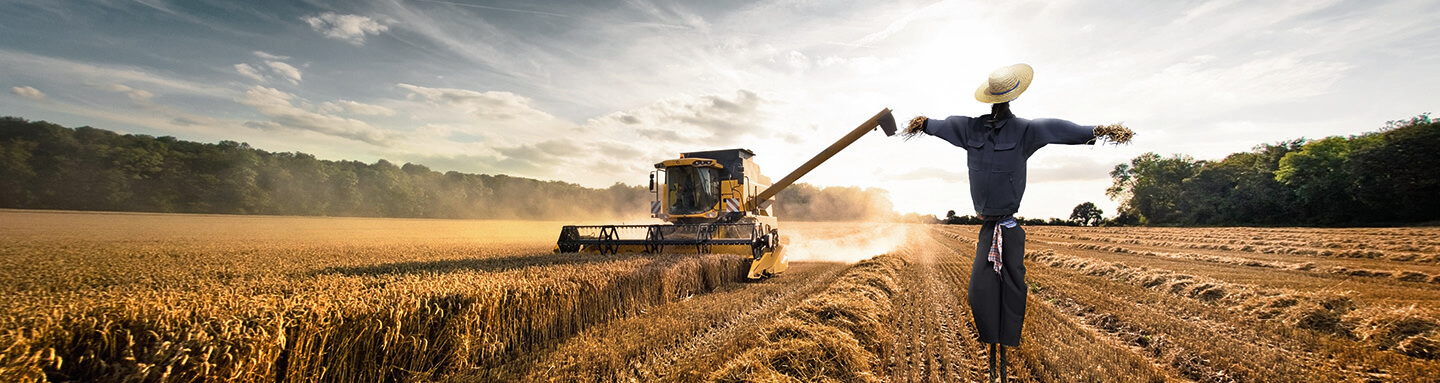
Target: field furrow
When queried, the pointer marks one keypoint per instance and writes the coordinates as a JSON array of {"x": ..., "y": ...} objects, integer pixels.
[
  {"x": 1397, "y": 245},
  {"x": 933, "y": 339},
  {"x": 1361, "y": 267},
  {"x": 1055, "y": 347},
  {"x": 1380, "y": 289},
  {"x": 682, "y": 341}
]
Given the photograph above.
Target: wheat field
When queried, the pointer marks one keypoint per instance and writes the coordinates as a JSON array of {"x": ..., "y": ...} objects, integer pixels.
[{"x": 197, "y": 298}]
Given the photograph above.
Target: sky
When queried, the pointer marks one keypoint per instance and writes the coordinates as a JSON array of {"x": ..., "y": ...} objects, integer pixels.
[{"x": 596, "y": 92}]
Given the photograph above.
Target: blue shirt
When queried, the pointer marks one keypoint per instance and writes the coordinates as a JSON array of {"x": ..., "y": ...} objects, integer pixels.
[{"x": 996, "y": 153}]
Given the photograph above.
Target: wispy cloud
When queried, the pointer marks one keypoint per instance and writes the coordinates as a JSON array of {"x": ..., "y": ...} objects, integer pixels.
[
  {"x": 271, "y": 68},
  {"x": 28, "y": 92},
  {"x": 286, "y": 71},
  {"x": 484, "y": 46},
  {"x": 695, "y": 119},
  {"x": 356, "y": 108},
  {"x": 492, "y": 105},
  {"x": 270, "y": 57},
  {"x": 80, "y": 72},
  {"x": 283, "y": 111},
  {"x": 1213, "y": 85},
  {"x": 899, "y": 24},
  {"x": 504, "y": 9},
  {"x": 249, "y": 71},
  {"x": 139, "y": 97},
  {"x": 348, "y": 28}
]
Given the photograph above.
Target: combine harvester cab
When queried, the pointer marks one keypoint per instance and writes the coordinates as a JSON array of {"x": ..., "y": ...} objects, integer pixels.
[{"x": 714, "y": 202}]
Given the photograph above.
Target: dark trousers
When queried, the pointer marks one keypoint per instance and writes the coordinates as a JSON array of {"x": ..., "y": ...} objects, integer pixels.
[{"x": 997, "y": 301}]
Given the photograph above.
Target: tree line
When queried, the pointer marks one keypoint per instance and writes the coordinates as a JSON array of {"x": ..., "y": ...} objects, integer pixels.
[
  {"x": 1384, "y": 177},
  {"x": 48, "y": 166},
  {"x": 952, "y": 219}
]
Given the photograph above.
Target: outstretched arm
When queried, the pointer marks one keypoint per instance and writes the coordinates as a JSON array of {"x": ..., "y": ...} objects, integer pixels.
[
  {"x": 1045, "y": 131},
  {"x": 1053, "y": 131},
  {"x": 952, "y": 129}
]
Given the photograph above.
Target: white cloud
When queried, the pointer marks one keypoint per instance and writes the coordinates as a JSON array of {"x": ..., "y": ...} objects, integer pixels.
[
  {"x": 509, "y": 134},
  {"x": 80, "y": 72},
  {"x": 270, "y": 57},
  {"x": 249, "y": 71},
  {"x": 1258, "y": 81},
  {"x": 356, "y": 108},
  {"x": 272, "y": 69},
  {"x": 796, "y": 61},
  {"x": 283, "y": 112},
  {"x": 139, "y": 97},
  {"x": 710, "y": 119},
  {"x": 903, "y": 21},
  {"x": 347, "y": 28},
  {"x": 491, "y": 105},
  {"x": 28, "y": 92},
  {"x": 286, "y": 71},
  {"x": 1205, "y": 9}
]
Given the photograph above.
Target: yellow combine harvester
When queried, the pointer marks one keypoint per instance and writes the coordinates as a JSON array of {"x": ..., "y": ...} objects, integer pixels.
[{"x": 715, "y": 202}]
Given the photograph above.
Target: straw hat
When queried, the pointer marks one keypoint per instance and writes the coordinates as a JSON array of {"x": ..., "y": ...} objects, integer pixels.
[{"x": 1005, "y": 84}]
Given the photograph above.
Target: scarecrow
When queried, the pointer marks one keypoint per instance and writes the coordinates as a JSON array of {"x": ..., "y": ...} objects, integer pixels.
[{"x": 997, "y": 146}]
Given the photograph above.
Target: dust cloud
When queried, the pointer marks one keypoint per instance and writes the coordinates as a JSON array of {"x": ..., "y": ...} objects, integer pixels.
[{"x": 876, "y": 239}]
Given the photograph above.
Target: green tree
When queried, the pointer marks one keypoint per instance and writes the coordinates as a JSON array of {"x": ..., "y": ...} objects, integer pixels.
[
  {"x": 1257, "y": 197},
  {"x": 1317, "y": 173},
  {"x": 1395, "y": 172},
  {"x": 1241, "y": 189},
  {"x": 1150, "y": 187},
  {"x": 15, "y": 172},
  {"x": 1087, "y": 214}
]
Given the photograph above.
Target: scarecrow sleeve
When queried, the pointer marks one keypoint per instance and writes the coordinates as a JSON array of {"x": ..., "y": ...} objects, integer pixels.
[
  {"x": 951, "y": 129},
  {"x": 1052, "y": 131}
]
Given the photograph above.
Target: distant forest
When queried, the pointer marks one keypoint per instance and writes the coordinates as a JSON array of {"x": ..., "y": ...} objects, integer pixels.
[
  {"x": 47, "y": 166},
  {"x": 1387, "y": 177}
]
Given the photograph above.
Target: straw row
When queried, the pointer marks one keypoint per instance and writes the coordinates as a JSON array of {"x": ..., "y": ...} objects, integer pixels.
[
  {"x": 337, "y": 327},
  {"x": 1330, "y": 312},
  {"x": 834, "y": 336}
]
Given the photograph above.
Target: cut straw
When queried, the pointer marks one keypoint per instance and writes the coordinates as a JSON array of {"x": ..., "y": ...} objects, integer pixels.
[
  {"x": 915, "y": 128},
  {"x": 1115, "y": 133}
]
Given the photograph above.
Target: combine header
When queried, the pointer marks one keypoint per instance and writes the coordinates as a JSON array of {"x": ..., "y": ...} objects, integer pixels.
[{"x": 715, "y": 202}]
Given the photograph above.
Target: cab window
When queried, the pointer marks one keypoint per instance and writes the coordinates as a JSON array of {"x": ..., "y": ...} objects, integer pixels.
[{"x": 692, "y": 190}]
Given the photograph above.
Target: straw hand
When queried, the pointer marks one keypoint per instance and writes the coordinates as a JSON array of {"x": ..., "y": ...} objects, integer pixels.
[
  {"x": 1115, "y": 133},
  {"x": 915, "y": 128}
]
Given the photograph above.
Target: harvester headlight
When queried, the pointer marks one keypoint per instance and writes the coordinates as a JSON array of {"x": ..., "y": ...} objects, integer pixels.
[{"x": 710, "y": 215}]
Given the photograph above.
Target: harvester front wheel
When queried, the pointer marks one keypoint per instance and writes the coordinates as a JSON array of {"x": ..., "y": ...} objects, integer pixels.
[
  {"x": 608, "y": 235},
  {"x": 653, "y": 236},
  {"x": 568, "y": 234},
  {"x": 702, "y": 239}
]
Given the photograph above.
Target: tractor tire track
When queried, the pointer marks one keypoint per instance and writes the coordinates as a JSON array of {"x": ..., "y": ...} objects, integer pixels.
[
  {"x": 934, "y": 341},
  {"x": 677, "y": 343},
  {"x": 703, "y": 354},
  {"x": 1056, "y": 346}
]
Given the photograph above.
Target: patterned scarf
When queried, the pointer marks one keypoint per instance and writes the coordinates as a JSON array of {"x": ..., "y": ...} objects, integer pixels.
[{"x": 999, "y": 241}]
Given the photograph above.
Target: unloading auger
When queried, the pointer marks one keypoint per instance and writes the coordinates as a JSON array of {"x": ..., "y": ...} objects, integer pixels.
[{"x": 714, "y": 202}]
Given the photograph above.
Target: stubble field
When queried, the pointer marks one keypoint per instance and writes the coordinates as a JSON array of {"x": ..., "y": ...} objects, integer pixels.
[{"x": 151, "y": 297}]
